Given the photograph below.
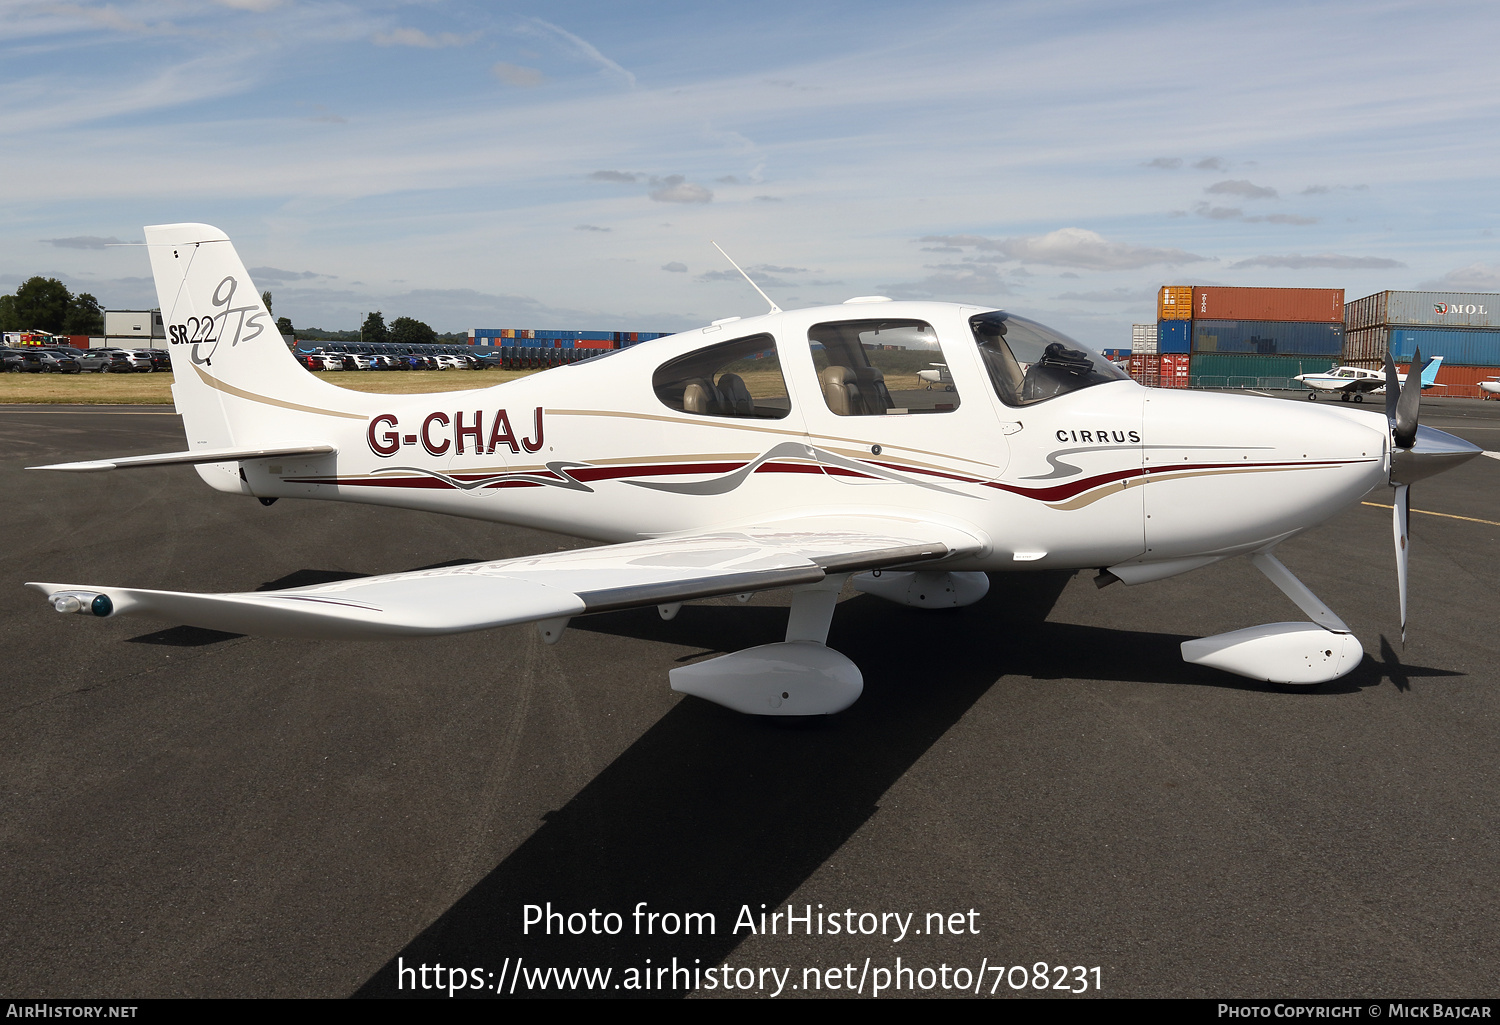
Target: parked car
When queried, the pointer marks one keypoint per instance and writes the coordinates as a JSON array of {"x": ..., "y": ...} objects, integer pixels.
[
  {"x": 106, "y": 361},
  {"x": 11, "y": 360},
  {"x": 159, "y": 358},
  {"x": 40, "y": 361}
]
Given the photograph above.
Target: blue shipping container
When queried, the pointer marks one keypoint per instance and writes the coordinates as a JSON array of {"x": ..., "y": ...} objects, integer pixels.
[
  {"x": 1267, "y": 337},
  {"x": 1174, "y": 336},
  {"x": 1476, "y": 347}
]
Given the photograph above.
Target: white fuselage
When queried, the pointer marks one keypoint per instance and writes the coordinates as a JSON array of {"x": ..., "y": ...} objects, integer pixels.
[{"x": 1109, "y": 475}]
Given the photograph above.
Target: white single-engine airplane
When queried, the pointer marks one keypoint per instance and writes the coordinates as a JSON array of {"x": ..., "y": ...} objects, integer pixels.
[
  {"x": 772, "y": 452},
  {"x": 1490, "y": 387},
  {"x": 1356, "y": 382}
]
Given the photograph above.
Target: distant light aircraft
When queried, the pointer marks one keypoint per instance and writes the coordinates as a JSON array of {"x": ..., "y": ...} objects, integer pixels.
[
  {"x": 765, "y": 453},
  {"x": 939, "y": 375},
  {"x": 1356, "y": 382},
  {"x": 1490, "y": 386}
]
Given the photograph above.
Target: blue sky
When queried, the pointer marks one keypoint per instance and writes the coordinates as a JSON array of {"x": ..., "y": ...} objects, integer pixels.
[{"x": 566, "y": 164}]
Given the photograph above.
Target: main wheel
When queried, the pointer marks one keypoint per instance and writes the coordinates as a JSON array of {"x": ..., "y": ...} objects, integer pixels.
[
  {"x": 1359, "y": 398},
  {"x": 1312, "y": 396}
]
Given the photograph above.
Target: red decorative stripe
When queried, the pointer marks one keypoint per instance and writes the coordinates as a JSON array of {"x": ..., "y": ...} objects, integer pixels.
[
  {"x": 930, "y": 473},
  {"x": 593, "y": 473},
  {"x": 788, "y": 468}
]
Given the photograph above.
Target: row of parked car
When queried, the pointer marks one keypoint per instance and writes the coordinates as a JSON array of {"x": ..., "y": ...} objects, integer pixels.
[
  {"x": 363, "y": 361},
  {"x": 64, "y": 359}
]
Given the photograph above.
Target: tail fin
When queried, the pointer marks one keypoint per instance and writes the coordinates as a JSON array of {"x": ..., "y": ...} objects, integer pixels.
[
  {"x": 236, "y": 384},
  {"x": 1430, "y": 371}
]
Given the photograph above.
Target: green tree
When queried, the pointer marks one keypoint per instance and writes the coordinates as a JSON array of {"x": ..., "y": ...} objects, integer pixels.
[
  {"x": 84, "y": 316},
  {"x": 406, "y": 331},
  {"x": 42, "y": 303},
  {"x": 373, "y": 331},
  {"x": 9, "y": 321},
  {"x": 265, "y": 297},
  {"x": 284, "y": 326}
]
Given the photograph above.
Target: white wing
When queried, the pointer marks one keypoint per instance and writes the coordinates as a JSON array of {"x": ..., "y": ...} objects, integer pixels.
[{"x": 557, "y": 585}]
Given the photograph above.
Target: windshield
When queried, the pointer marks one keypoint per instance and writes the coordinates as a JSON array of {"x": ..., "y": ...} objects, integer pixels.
[{"x": 1029, "y": 363}]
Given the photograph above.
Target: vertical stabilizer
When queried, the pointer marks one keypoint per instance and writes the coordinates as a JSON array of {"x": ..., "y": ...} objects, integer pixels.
[
  {"x": 1430, "y": 371},
  {"x": 235, "y": 381}
]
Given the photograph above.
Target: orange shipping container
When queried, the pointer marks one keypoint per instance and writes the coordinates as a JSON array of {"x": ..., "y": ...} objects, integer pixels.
[
  {"x": 1175, "y": 302},
  {"x": 1309, "y": 305}
]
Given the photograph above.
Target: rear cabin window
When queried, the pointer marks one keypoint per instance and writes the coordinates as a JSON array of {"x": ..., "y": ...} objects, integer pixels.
[
  {"x": 740, "y": 378},
  {"x": 881, "y": 368}
]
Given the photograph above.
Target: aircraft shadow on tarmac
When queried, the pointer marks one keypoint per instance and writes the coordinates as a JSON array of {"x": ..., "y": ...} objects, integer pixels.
[{"x": 710, "y": 810}]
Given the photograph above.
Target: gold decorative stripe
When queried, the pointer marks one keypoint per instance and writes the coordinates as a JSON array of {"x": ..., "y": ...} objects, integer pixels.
[
  {"x": 705, "y": 422},
  {"x": 1429, "y": 512},
  {"x": 1090, "y": 497},
  {"x": 218, "y": 385}
]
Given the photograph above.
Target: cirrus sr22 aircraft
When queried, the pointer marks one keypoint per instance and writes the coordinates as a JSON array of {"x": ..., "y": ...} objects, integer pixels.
[{"x": 794, "y": 450}]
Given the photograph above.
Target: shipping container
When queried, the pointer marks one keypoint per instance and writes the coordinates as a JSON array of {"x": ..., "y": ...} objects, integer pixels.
[
  {"x": 1174, "y": 302},
  {"x": 1241, "y": 370},
  {"x": 1475, "y": 347},
  {"x": 1268, "y": 337},
  {"x": 1176, "y": 370},
  {"x": 1143, "y": 338},
  {"x": 1146, "y": 369},
  {"x": 1366, "y": 345},
  {"x": 1174, "y": 336},
  {"x": 1424, "y": 309},
  {"x": 1313, "y": 305}
]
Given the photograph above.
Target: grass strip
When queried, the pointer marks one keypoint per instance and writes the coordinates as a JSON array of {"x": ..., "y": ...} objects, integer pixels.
[{"x": 156, "y": 388}]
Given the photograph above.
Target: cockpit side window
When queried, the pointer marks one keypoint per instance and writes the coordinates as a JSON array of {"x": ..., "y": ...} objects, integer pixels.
[
  {"x": 881, "y": 368},
  {"x": 1029, "y": 363},
  {"x": 740, "y": 378}
]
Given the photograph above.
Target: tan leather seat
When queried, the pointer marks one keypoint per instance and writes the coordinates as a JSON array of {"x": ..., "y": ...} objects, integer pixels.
[
  {"x": 840, "y": 390},
  {"x": 700, "y": 396}
]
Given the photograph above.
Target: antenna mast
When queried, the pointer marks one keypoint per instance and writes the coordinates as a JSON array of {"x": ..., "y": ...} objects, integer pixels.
[{"x": 767, "y": 298}]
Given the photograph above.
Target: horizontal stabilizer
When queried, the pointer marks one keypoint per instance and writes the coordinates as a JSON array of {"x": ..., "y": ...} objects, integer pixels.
[
  {"x": 202, "y": 455},
  {"x": 558, "y": 585}
]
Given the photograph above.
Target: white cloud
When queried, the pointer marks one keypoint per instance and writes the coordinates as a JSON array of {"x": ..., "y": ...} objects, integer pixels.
[
  {"x": 581, "y": 47},
  {"x": 84, "y": 242},
  {"x": 590, "y": 227},
  {"x": 1476, "y": 277},
  {"x": 675, "y": 189},
  {"x": 1074, "y": 247},
  {"x": 258, "y": 6},
  {"x": 1242, "y": 188},
  {"x": 1164, "y": 163},
  {"x": 264, "y": 274},
  {"x": 1114, "y": 295},
  {"x": 675, "y": 267},
  {"x": 1296, "y": 261}
]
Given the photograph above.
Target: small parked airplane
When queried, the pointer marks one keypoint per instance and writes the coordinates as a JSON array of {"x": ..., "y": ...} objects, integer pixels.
[
  {"x": 1356, "y": 382},
  {"x": 1490, "y": 387},
  {"x": 938, "y": 375},
  {"x": 772, "y": 452}
]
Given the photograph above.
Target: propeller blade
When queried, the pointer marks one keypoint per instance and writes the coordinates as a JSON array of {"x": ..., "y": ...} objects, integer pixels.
[
  {"x": 1399, "y": 522},
  {"x": 1392, "y": 391},
  {"x": 1405, "y": 434}
]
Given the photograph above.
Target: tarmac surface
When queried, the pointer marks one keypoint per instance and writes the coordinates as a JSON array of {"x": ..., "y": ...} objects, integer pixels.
[{"x": 189, "y": 813}]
